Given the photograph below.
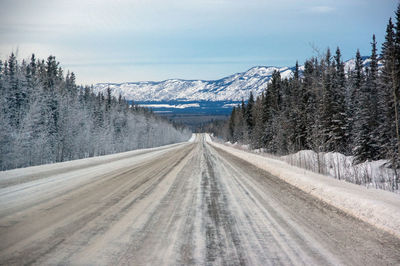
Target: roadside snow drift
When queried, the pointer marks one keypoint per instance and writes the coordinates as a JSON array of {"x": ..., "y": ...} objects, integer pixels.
[{"x": 374, "y": 206}]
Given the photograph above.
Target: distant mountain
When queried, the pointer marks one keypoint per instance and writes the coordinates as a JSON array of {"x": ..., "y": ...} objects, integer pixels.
[{"x": 232, "y": 88}]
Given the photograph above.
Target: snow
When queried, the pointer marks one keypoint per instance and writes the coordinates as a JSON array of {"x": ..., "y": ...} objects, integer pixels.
[
  {"x": 6, "y": 176},
  {"x": 192, "y": 138},
  {"x": 178, "y": 106},
  {"x": 234, "y": 87},
  {"x": 377, "y": 207},
  {"x": 154, "y": 208},
  {"x": 372, "y": 174},
  {"x": 229, "y": 105}
]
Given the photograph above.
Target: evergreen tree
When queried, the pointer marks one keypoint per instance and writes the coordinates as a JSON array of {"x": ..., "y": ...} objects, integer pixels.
[
  {"x": 327, "y": 103},
  {"x": 396, "y": 84},
  {"x": 272, "y": 104},
  {"x": 372, "y": 81},
  {"x": 357, "y": 81},
  {"x": 339, "y": 119},
  {"x": 366, "y": 148},
  {"x": 231, "y": 126},
  {"x": 387, "y": 127},
  {"x": 249, "y": 113},
  {"x": 258, "y": 129}
]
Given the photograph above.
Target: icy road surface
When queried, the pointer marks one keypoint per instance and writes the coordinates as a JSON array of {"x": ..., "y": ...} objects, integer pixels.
[{"x": 188, "y": 203}]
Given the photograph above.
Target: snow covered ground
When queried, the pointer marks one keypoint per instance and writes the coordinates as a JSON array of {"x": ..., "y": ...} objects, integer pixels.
[
  {"x": 370, "y": 174},
  {"x": 20, "y": 175},
  {"x": 374, "y": 174},
  {"x": 377, "y": 207}
]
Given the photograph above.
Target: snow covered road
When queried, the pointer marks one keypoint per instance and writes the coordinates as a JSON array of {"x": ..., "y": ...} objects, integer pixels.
[{"x": 188, "y": 203}]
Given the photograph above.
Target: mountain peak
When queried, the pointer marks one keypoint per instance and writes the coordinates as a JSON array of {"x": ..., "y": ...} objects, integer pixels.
[{"x": 232, "y": 88}]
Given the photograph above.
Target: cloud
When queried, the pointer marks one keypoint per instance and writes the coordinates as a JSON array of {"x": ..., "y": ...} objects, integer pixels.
[{"x": 321, "y": 9}]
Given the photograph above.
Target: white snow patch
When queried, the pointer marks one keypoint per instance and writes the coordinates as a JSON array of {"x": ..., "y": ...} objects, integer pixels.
[
  {"x": 208, "y": 138},
  {"x": 228, "y": 105},
  {"x": 377, "y": 207},
  {"x": 192, "y": 138},
  {"x": 178, "y": 106}
]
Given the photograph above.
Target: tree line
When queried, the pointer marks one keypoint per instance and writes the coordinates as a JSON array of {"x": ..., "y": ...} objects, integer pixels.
[
  {"x": 325, "y": 107},
  {"x": 45, "y": 117}
]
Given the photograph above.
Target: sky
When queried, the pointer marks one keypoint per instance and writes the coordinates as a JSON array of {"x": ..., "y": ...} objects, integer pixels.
[{"x": 139, "y": 40}]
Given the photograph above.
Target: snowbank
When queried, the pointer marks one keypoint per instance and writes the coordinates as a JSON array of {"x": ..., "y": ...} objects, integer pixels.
[
  {"x": 377, "y": 207},
  {"x": 192, "y": 138},
  {"x": 38, "y": 170},
  {"x": 371, "y": 174}
]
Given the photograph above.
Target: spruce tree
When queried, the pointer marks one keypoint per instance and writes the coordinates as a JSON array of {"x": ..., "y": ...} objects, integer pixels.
[
  {"x": 296, "y": 134},
  {"x": 357, "y": 81},
  {"x": 249, "y": 114},
  {"x": 258, "y": 128},
  {"x": 387, "y": 127},
  {"x": 366, "y": 148},
  {"x": 327, "y": 103},
  {"x": 272, "y": 105},
  {"x": 396, "y": 84},
  {"x": 231, "y": 126},
  {"x": 339, "y": 122}
]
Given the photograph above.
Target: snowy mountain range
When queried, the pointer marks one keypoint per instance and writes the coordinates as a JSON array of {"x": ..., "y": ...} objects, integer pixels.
[{"x": 232, "y": 88}]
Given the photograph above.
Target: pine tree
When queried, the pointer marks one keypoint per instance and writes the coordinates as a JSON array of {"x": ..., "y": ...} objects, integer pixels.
[
  {"x": 12, "y": 91},
  {"x": 109, "y": 99},
  {"x": 298, "y": 125},
  {"x": 387, "y": 127},
  {"x": 231, "y": 126},
  {"x": 365, "y": 143},
  {"x": 396, "y": 84},
  {"x": 312, "y": 117},
  {"x": 272, "y": 104},
  {"x": 249, "y": 114},
  {"x": 357, "y": 81},
  {"x": 327, "y": 103},
  {"x": 258, "y": 129},
  {"x": 372, "y": 81},
  {"x": 51, "y": 73},
  {"x": 339, "y": 122}
]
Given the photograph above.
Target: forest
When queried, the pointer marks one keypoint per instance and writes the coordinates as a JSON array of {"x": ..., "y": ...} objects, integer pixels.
[
  {"x": 327, "y": 108},
  {"x": 45, "y": 118}
]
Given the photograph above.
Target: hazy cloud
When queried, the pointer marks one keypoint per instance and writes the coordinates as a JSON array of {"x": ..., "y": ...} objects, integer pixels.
[{"x": 321, "y": 9}]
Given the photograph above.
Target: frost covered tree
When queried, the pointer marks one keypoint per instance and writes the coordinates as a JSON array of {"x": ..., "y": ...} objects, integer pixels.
[{"x": 45, "y": 117}]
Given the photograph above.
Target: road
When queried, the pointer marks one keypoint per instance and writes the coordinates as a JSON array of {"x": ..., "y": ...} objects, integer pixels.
[{"x": 185, "y": 204}]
